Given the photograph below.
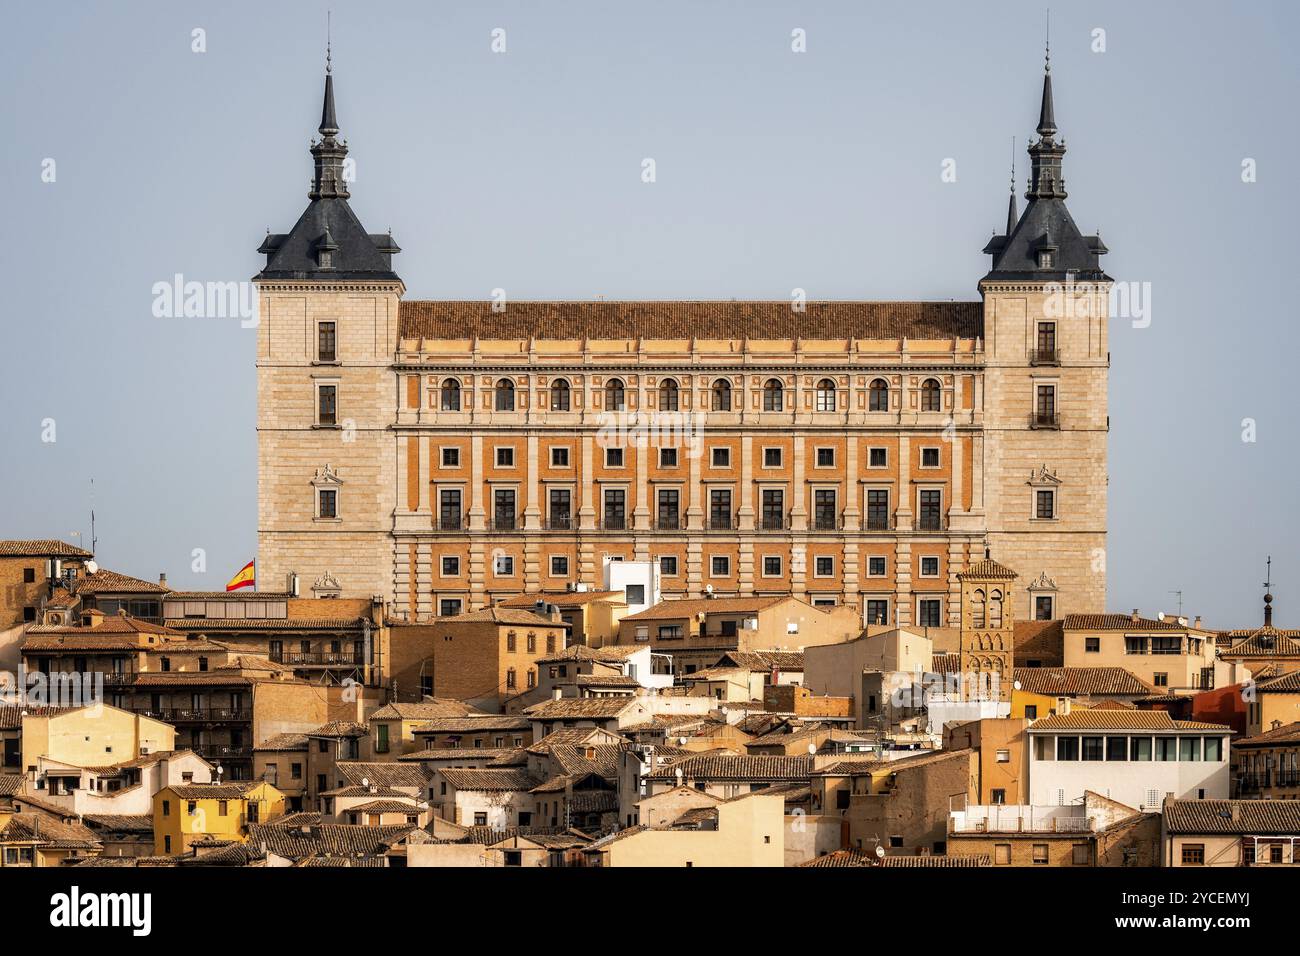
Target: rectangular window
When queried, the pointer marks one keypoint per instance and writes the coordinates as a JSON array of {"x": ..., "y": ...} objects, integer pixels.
[
  {"x": 560, "y": 517},
  {"x": 1045, "y": 406},
  {"x": 877, "y": 611},
  {"x": 825, "y": 510},
  {"x": 450, "y": 566},
  {"x": 930, "y": 513},
  {"x": 1092, "y": 748},
  {"x": 823, "y": 566},
  {"x": 1159, "y": 679},
  {"x": 929, "y": 458},
  {"x": 451, "y": 457},
  {"x": 449, "y": 514},
  {"x": 876, "y": 566},
  {"x": 825, "y": 457},
  {"x": 503, "y": 566},
  {"x": 326, "y": 346},
  {"x": 720, "y": 457},
  {"x": 1067, "y": 748},
  {"x": 773, "y": 509},
  {"x": 1117, "y": 748},
  {"x": 928, "y": 612},
  {"x": 505, "y": 456},
  {"x": 503, "y": 509},
  {"x": 613, "y": 458},
  {"x": 771, "y": 457},
  {"x": 667, "y": 457},
  {"x": 1040, "y": 854},
  {"x": 878, "y": 458},
  {"x": 771, "y": 566},
  {"x": 1045, "y": 503},
  {"x": 1046, "y": 341},
  {"x": 668, "y": 565},
  {"x": 559, "y": 456},
  {"x": 615, "y": 509},
  {"x": 1092, "y": 645},
  {"x": 669, "y": 509},
  {"x": 877, "y": 509},
  {"x": 1193, "y": 854},
  {"x": 1189, "y": 748},
  {"x": 668, "y": 632},
  {"x": 720, "y": 509},
  {"x": 1167, "y": 748},
  {"x": 1002, "y": 854},
  {"x": 449, "y": 607},
  {"x": 720, "y": 566},
  {"x": 929, "y": 566},
  {"x": 1042, "y": 607},
  {"x": 329, "y": 503},
  {"x": 1214, "y": 749},
  {"x": 327, "y": 404}
]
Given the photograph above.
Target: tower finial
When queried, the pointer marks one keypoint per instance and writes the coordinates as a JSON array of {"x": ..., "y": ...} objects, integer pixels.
[
  {"x": 327, "y": 41},
  {"x": 1047, "y": 60},
  {"x": 1011, "y": 202},
  {"x": 1268, "y": 596}
]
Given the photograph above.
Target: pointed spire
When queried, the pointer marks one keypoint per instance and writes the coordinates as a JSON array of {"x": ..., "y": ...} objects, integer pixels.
[
  {"x": 328, "y": 154},
  {"x": 1268, "y": 597},
  {"x": 1045, "y": 180},
  {"x": 1012, "y": 218},
  {"x": 1046, "y": 114}
]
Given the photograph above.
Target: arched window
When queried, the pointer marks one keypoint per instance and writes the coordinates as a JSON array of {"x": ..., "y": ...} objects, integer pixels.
[
  {"x": 930, "y": 395},
  {"x": 505, "y": 395},
  {"x": 977, "y": 608},
  {"x": 450, "y": 395},
  {"x": 995, "y": 609},
  {"x": 773, "y": 397},
  {"x": 722, "y": 395},
  {"x": 614, "y": 395},
  {"x": 668, "y": 395},
  {"x": 560, "y": 395},
  {"x": 878, "y": 396},
  {"x": 825, "y": 396}
]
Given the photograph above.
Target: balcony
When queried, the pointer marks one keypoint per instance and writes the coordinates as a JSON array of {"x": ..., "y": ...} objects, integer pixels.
[
  {"x": 450, "y": 523},
  {"x": 669, "y": 521},
  {"x": 504, "y": 523},
  {"x": 1045, "y": 420},
  {"x": 327, "y": 659},
  {"x": 827, "y": 521},
  {"x": 559, "y": 522},
  {"x": 613, "y": 523},
  {"x": 876, "y": 522},
  {"x": 773, "y": 522},
  {"x": 929, "y": 522},
  {"x": 191, "y": 715},
  {"x": 721, "y": 521},
  {"x": 1044, "y": 356}
]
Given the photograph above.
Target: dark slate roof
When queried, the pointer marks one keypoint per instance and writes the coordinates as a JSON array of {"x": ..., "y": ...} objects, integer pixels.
[
  {"x": 358, "y": 254},
  {"x": 1046, "y": 223}
]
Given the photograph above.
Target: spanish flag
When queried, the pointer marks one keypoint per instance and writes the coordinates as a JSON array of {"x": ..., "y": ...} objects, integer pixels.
[{"x": 245, "y": 578}]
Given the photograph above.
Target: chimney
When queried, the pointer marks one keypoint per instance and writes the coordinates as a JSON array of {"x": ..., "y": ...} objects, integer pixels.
[
  {"x": 92, "y": 618},
  {"x": 556, "y": 693},
  {"x": 1197, "y": 623},
  {"x": 1136, "y": 616},
  {"x": 162, "y": 578},
  {"x": 1236, "y": 811}
]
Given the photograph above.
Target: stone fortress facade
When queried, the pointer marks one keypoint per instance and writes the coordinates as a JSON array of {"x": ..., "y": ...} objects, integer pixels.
[{"x": 444, "y": 455}]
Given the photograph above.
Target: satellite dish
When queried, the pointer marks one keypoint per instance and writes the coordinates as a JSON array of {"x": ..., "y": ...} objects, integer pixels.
[
  {"x": 365, "y": 781},
  {"x": 682, "y": 741},
  {"x": 708, "y": 589},
  {"x": 880, "y": 852},
  {"x": 1160, "y": 616},
  {"x": 91, "y": 567},
  {"x": 1015, "y": 685},
  {"x": 812, "y": 749}
]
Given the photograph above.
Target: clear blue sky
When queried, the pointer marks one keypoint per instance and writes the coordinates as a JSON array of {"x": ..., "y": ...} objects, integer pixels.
[{"x": 521, "y": 171}]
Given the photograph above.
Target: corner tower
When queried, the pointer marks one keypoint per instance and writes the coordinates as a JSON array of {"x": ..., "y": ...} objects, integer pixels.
[
  {"x": 328, "y": 300},
  {"x": 1046, "y": 303}
]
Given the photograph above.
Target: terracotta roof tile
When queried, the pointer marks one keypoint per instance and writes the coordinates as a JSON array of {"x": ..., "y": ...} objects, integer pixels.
[
  {"x": 689, "y": 607},
  {"x": 40, "y": 548},
  {"x": 1286, "y": 734},
  {"x": 727, "y": 766},
  {"x": 1233, "y": 816},
  {"x": 1119, "y": 622},
  {"x": 422, "y": 710},
  {"x": 684, "y": 319},
  {"x": 1080, "y": 682},
  {"x": 1155, "y": 720},
  {"x": 986, "y": 569},
  {"x": 496, "y": 779}
]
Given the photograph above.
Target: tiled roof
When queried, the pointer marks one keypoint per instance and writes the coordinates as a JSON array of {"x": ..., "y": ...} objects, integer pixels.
[
  {"x": 986, "y": 569},
  {"x": 326, "y": 839},
  {"x": 1156, "y": 720},
  {"x": 563, "y": 598},
  {"x": 1264, "y": 642},
  {"x": 575, "y": 708},
  {"x": 111, "y": 624},
  {"x": 689, "y": 607},
  {"x": 1288, "y": 683},
  {"x": 1119, "y": 622},
  {"x": 189, "y": 624},
  {"x": 486, "y": 754},
  {"x": 342, "y": 862},
  {"x": 502, "y": 615},
  {"x": 669, "y": 319},
  {"x": 567, "y": 736},
  {"x": 602, "y": 759},
  {"x": 606, "y": 680},
  {"x": 11, "y": 715},
  {"x": 945, "y": 662},
  {"x": 370, "y": 791},
  {"x": 230, "y": 790},
  {"x": 40, "y": 548},
  {"x": 339, "y": 728},
  {"x": 10, "y": 783},
  {"x": 1080, "y": 682},
  {"x": 49, "y": 832},
  {"x": 1041, "y": 641},
  {"x": 866, "y": 765},
  {"x": 472, "y": 724},
  {"x": 724, "y": 766},
  {"x": 613, "y": 654},
  {"x": 423, "y": 710},
  {"x": 384, "y": 806},
  {"x": 284, "y": 742},
  {"x": 210, "y": 678},
  {"x": 1234, "y": 816},
  {"x": 764, "y": 660},
  {"x": 496, "y": 779},
  {"x": 120, "y": 822},
  {"x": 104, "y": 581},
  {"x": 382, "y": 774},
  {"x": 1286, "y": 734}
]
